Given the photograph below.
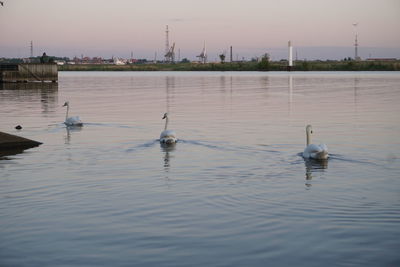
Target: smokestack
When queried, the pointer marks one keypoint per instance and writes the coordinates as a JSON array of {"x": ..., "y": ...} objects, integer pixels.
[
  {"x": 231, "y": 54},
  {"x": 290, "y": 59},
  {"x": 356, "y": 57}
]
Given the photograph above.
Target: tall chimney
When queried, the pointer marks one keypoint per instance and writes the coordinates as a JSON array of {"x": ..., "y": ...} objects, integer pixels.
[
  {"x": 290, "y": 54},
  {"x": 290, "y": 59}
]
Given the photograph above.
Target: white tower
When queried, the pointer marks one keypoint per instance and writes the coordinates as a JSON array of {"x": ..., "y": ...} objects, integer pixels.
[{"x": 290, "y": 56}]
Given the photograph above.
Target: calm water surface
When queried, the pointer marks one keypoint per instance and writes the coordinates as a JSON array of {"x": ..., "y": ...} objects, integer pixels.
[{"x": 232, "y": 192}]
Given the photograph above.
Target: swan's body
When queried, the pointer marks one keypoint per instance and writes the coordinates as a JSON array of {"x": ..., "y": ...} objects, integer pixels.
[
  {"x": 71, "y": 121},
  {"x": 167, "y": 136},
  {"x": 314, "y": 151}
]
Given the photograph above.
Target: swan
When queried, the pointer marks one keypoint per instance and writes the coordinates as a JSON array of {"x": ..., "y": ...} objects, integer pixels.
[
  {"x": 71, "y": 121},
  {"x": 314, "y": 151},
  {"x": 167, "y": 136}
]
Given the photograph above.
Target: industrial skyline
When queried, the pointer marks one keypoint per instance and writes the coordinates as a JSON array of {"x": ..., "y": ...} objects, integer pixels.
[{"x": 318, "y": 29}]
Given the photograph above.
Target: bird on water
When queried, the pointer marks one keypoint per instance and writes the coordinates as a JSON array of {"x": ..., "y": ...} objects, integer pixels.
[
  {"x": 167, "y": 136},
  {"x": 313, "y": 151},
  {"x": 71, "y": 121}
]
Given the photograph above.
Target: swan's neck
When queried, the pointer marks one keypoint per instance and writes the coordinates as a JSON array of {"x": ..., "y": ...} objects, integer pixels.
[
  {"x": 66, "y": 115},
  {"x": 308, "y": 137},
  {"x": 166, "y": 123}
]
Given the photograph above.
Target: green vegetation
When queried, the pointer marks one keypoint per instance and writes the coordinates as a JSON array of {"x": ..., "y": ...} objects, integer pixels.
[{"x": 263, "y": 65}]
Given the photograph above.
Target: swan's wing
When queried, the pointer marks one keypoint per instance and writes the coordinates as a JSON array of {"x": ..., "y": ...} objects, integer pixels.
[
  {"x": 167, "y": 133},
  {"x": 313, "y": 149},
  {"x": 316, "y": 151},
  {"x": 73, "y": 120},
  {"x": 323, "y": 147}
]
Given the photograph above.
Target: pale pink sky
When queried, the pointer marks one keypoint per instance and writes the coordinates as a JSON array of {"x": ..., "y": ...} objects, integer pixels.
[{"x": 318, "y": 28}]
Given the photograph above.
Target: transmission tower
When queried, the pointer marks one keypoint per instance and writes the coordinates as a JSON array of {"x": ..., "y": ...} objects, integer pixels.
[
  {"x": 203, "y": 55},
  {"x": 166, "y": 43},
  {"x": 170, "y": 55},
  {"x": 31, "y": 46}
]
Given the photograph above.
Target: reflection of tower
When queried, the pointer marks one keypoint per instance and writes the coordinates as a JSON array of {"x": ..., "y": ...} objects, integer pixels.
[
  {"x": 290, "y": 93},
  {"x": 356, "y": 85},
  {"x": 203, "y": 55},
  {"x": 169, "y": 84}
]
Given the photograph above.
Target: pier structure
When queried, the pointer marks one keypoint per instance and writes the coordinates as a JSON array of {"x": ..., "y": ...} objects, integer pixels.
[
  {"x": 11, "y": 144},
  {"x": 28, "y": 72}
]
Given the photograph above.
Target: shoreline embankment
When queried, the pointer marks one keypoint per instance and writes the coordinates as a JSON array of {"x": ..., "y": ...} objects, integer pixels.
[{"x": 243, "y": 66}]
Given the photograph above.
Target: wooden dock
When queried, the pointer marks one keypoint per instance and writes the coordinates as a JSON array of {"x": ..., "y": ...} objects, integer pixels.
[{"x": 28, "y": 72}]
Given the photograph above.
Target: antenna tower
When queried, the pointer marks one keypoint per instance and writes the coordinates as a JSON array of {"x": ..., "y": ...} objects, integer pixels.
[{"x": 166, "y": 43}]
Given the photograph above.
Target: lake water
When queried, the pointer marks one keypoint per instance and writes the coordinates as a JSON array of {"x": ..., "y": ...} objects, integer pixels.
[{"x": 234, "y": 191}]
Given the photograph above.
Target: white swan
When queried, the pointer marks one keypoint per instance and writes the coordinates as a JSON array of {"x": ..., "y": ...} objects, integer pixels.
[
  {"x": 167, "y": 136},
  {"x": 71, "y": 121},
  {"x": 314, "y": 151}
]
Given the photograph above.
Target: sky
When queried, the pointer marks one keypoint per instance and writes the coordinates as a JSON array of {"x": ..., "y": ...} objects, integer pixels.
[{"x": 318, "y": 29}]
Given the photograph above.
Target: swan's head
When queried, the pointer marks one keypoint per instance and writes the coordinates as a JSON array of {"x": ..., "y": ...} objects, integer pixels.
[
  {"x": 165, "y": 116},
  {"x": 309, "y": 129},
  {"x": 66, "y": 104}
]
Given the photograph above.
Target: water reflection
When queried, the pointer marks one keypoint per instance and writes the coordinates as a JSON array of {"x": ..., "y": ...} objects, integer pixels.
[
  {"x": 169, "y": 90},
  {"x": 167, "y": 148},
  {"x": 46, "y": 93},
  {"x": 313, "y": 166},
  {"x": 356, "y": 87},
  {"x": 290, "y": 93},
  {"x": 222, "y": 83},
  {"x": 265, "y": 82},
  {"x": 71, "y": 129}
]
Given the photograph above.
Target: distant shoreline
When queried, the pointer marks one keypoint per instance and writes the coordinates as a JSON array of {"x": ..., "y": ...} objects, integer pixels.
[{"x": 243, "y": 66}]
